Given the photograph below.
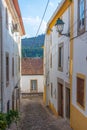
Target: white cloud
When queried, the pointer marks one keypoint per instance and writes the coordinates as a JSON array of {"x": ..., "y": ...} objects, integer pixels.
[
  {"x": 33, "y": 24},
  {"x": 31, "y": 20},
  {"x": 51, "y": 4}
]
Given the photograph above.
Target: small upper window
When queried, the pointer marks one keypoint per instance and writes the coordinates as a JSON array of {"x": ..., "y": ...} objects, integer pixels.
[
  {"x": 60, "y": 57},
  {"x": 33, "y": 86},
  {"x": 7, "y": 69},
  {"x": 12, "y": 66},
  {"x": 51, "y": 60},
  {"x": 6, "y": 18},
  {"x": 81, "y": 17},
  {"x": 51, "y": 89}
]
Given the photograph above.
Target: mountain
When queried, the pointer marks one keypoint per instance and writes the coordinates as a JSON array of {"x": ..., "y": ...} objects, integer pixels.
[{"x": 32, "y": 47}]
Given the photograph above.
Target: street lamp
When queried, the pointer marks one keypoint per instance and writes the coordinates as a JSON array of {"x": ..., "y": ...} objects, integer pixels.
[{"x": 59, "y": 27}]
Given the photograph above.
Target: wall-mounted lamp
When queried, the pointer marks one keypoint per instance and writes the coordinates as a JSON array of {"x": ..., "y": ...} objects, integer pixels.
[{"x": 59, "y": 27}]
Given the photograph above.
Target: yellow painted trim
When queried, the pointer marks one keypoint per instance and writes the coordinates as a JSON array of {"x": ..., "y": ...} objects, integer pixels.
[
  {"x": 79, "y": 75},
  {"x": 78, "y": 120},
  {"x": 63, "y": 8},
  {"x": 51, "y": 106},
  {"x": 44, "y": 95},
  {"x": 71, "y": 53},
  {"x": 82, "y": 76}
]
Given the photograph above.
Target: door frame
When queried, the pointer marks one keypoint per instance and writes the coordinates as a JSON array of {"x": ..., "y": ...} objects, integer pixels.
[
  {"x": 60, "y": 82},
  {"x": 67, "y": 106}
]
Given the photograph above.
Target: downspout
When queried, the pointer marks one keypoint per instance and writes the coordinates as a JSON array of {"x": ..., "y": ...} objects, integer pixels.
[{"x": 1, "y": 35}]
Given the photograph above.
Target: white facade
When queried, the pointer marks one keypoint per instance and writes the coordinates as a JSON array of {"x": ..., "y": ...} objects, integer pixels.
[
  {"x": 74, "y": 64},
  {"x": 26, "y": 83},
  {"x": 79, "y": 68},
  {"x": 10, "y": 47},
  {"x": 53, "y": 74},
  {"x": 79, "y": 57}
]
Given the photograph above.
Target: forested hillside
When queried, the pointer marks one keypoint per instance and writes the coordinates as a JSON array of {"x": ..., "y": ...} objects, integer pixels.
[{"x": 32, "y": 47}]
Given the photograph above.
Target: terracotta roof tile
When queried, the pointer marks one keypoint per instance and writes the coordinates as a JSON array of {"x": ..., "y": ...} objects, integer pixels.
[{"x": 32, "y": 66}]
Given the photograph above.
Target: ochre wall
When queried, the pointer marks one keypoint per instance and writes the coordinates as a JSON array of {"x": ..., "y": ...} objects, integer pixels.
[
  {"x": 78, "y": 120},
  {"x": 44, "y": 95},
  {"x": 51, "y": 106}
]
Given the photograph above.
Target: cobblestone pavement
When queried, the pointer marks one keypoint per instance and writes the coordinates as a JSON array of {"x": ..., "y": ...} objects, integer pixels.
[{"x": 35, "y": 116}]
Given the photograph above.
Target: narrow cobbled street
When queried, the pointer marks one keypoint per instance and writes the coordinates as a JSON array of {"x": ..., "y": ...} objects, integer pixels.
[{"x": 35, "y": 116}]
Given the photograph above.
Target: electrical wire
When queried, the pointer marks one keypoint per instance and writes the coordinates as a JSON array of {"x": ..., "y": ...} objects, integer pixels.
[
  {"x": 41, "y": 22},
  {"x": 70, "y": 27},
  {"x": 42, "y": 17}
]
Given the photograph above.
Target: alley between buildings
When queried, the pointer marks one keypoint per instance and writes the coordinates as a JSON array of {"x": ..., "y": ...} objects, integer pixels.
[{"x": 35, "y": 116}]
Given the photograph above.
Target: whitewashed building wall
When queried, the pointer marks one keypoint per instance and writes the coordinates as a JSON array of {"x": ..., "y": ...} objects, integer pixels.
[
  {"x": 10, "y": 45},
  {"x": 79, "y": 57},
  {"x": 26, "y": 83},
  {"x": 52, "y": 42}
]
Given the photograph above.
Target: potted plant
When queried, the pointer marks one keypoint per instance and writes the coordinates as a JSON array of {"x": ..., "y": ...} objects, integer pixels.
[{"x": 3, "y": 122}]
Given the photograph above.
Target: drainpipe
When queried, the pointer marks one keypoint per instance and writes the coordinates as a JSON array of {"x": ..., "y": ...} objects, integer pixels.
[{"x": 1, "y": 41}]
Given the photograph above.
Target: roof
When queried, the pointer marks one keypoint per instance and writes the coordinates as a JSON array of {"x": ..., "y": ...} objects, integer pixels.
[
  {"x": 57, "y": 14},
  {"x": 32, "y": 66},
  {"x": 16, "y": 5}
]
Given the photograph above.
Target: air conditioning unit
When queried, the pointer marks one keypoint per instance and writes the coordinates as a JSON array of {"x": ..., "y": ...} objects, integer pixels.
[{"x": 15, "y": 27}]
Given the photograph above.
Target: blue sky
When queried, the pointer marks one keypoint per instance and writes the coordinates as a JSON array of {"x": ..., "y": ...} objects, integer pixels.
[{"x": 32, "y": 12}]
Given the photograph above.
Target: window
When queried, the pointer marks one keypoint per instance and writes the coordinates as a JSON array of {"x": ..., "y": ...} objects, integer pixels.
[
  {"x": 51, "y": 60},
  {"x": 12, "y": 66},
  {"x": 51, "y": 90},
  {"x": 17, "y": 93},
  {"x": 33, "y": 85},
  {"x": 81, "y": 16},
  {"x": 7, "y": 69},
  {"x": 6, "y": 18},
  {"x": 19, "y": 63},
  {"x": 8, "y": 106},
  {"x": 60, "y": 58},
  {"x": 80, "y": 91},
  {"x": 50, "y": 39}
]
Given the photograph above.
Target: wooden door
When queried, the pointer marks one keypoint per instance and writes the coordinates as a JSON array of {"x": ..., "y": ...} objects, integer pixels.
[
  {"x": 68, "y": 103},
  {"x": 60, "y": 99}
]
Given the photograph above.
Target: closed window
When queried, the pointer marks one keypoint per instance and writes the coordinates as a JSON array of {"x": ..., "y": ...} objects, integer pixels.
[
  {"x": 12, "y": 66},
  {"x": 34, "y": 85},
  {"x": 80, "y": 91},
  {"x": 19, "y": 63},
  {"x": 81, "y": 16},
  {"x": 51, "y": 90},
  {"x": 60, "y": 58},
  {"x": 6, "y": 18},
  {"x": 51, "y": 60},
  {"x": 8, "y": 106},
  {"x": 7, "y": 69}
]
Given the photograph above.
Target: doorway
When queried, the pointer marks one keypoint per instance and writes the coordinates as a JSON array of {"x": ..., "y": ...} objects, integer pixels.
[
  {"x": 68, "y": 103},
  {"x": 60, "y": 99}
]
